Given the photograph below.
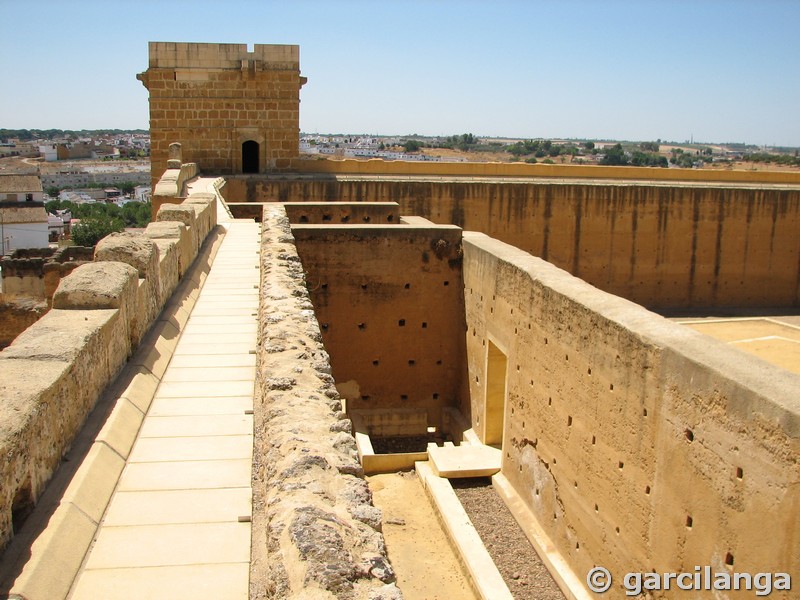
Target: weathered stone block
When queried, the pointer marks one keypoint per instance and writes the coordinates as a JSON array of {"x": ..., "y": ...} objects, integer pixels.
[
  {"x": 25, "y": 427},
  {"x": 134, "y": 249},
  {"x": 183, "y": 214},
  {"x": 73, "y": 354},
  {"x": 97, "y": 285},
  {"x": 168, "y": 268},
  {"x": 206, "y": 206}
]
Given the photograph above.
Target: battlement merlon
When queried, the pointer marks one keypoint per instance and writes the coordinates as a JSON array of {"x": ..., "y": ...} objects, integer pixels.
[{"x": 221, "y": 56}]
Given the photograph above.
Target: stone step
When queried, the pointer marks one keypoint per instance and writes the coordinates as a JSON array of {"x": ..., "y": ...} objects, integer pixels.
[{"x": 464, "y": 461}]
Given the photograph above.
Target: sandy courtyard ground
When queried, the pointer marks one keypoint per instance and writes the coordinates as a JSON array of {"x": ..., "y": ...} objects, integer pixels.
[
  {"x": 425, "y": 564},
  {"x": 774, "y": 339}
]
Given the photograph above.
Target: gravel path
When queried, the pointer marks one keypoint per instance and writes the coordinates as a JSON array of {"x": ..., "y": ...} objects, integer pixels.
[{"x": 517, "y": 561}]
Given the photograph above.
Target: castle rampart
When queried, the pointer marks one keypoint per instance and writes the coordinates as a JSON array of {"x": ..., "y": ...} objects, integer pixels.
[
  {"x": 634, "y": 442},
  {"x": 55, "y": 371},
  {"x": 660, "y": 244}
]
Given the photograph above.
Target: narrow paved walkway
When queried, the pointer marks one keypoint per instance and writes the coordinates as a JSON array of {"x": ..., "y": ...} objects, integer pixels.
[{"x": 178, "y": 525}]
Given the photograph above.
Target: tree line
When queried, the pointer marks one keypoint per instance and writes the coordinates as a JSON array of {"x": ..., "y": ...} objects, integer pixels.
[
  {"x": 98, "y": 219},
  {"x": 27, "y": 135}
]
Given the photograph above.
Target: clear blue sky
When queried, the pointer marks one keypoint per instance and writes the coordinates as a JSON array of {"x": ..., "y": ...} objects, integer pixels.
[{"x": 717, "y": 70}]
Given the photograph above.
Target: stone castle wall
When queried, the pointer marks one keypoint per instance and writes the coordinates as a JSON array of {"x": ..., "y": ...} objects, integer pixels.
[
  {"x": 636, "y": 443},
  {"x": 657, "y": 244},
  {"x": 319, "y": 535},
  {"x": 100, "y": 311},
  {"x": 425, "y": 169},
  {"x": 212, "y": 98},
  {"x": 389, "y": 301},
  {"x": 35, "y": 273}
]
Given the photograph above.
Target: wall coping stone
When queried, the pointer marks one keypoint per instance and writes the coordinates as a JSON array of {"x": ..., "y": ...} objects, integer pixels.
[{"x": 96, "y": 285}]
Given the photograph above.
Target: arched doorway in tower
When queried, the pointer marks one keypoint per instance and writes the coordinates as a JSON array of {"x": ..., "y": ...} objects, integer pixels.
[{"x": 250, "y": 151}]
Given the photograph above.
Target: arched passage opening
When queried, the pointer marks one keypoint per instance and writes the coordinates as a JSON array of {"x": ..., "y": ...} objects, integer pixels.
[{"x": 250, "y": 152}]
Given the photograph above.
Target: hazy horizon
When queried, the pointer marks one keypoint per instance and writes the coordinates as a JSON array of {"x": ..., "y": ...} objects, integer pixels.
[{"x": 714, "y": 71}]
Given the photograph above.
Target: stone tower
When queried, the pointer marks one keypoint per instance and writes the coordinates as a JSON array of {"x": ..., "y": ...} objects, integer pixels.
[{"x": 232, "y": 110}]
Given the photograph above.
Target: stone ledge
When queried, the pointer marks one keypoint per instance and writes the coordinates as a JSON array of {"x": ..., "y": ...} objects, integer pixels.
[
  {"x": 569, "y": 583},
  {"x": 93, "y": 485},
  {"x": 484, "y": 576},
  {"x": 317, "y": 534},
  {"x": 58, "y": 552}
]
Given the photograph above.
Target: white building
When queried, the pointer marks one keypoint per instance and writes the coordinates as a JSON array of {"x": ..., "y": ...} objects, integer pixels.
[
  {"x": 142, "y": 193},
  {"x": 49, "y": 152},
  {"x": 23, "y": 220},
  {"x": 21, "y": 188},
  {"x": 55, "y": 227}
]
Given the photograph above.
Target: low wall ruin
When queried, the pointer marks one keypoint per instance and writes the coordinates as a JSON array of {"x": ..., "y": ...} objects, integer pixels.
[
  {"x": 54, "y": 372},
  {"x": 315, "y": 531},
  {"x": 636, "y": 443},
  {"x": 16, "y": 315},
  {"x": 35, "y": 273}
]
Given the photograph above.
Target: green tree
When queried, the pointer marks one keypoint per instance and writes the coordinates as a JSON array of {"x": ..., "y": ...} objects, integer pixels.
[
  {"x": 614, "y": 156},
  {"x": 588, "y": 145},
  {"x": 93, "y": 229},
  {"x": 649, "y": 146},
  {"x": 136, "y": 214},
  {"x": 412, "y": 145},
  {"x": 464, "y": 142},
  {"x": 648, "y": 159},
  {"x": 517, "y": 149}
]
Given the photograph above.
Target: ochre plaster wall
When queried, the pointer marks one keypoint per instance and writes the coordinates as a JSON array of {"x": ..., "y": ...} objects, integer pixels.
[
  {"x": 213, "y": 97},
  {"x": 638, "y": 444},
  {"x": 660, "y": 245},
  {"x": 389, "y": 302},
  {"x": 342, "y": 213},
  {"x": 16, "y": 315},
  {"x": 379, "y": 167}
]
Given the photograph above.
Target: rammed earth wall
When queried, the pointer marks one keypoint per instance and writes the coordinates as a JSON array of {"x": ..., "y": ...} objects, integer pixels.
[
  {"x": 315, "y": 530},
  {"x": 658, "y": 243},
  {"x": 638, "y": 444}
]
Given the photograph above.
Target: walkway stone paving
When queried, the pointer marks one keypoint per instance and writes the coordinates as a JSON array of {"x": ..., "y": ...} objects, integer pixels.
[{"x": 178, "y": 524}]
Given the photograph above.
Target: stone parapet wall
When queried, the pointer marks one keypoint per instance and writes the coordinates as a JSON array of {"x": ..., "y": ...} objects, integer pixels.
[
  {"x": 660, "y": 244},
  {"x": 316, "y": 533},
  {"x": 421, "y": 169},
  {"x": 35, "y": 273},
  {"x": 343, "y": 213},
  {"x": 53, "y": 373},
  {"x": 638, "y": 444},
  {"x": 171, "y": 186}
]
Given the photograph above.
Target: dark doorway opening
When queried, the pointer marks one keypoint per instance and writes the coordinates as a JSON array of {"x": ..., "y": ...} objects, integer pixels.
[{"x": 250, "y": 157}]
